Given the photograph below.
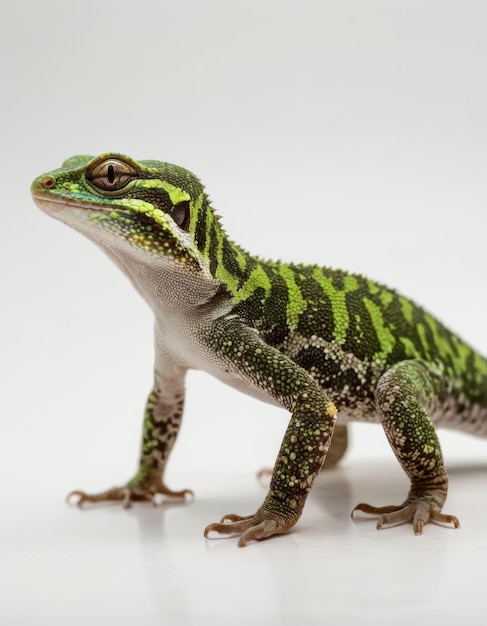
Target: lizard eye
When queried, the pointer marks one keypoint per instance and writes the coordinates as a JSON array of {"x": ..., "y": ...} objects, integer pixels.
[{"x": 111, "y": 175}]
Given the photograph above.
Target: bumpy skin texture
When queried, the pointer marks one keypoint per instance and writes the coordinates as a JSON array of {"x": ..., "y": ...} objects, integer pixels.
[{"x": 322, "y": 343}]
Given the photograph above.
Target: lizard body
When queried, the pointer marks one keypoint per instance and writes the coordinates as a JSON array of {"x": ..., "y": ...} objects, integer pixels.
[{"x": 322, "y": 343}]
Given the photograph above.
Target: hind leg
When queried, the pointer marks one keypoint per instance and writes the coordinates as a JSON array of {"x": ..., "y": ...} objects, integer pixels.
[
  {"x": 402, "y": 397},
  {"x": 338, "y": 446}
]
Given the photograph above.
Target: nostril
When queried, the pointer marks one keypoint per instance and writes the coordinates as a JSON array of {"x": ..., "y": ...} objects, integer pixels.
[{"x": 48, "y": 182}]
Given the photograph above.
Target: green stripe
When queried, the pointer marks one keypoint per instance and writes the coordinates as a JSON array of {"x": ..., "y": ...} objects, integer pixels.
[
  {"x": 176, "y": 195},
  {"x": 258, "y": 279},
  {"x": 296, "y": 303},
  {"x": 337, "y": 298},
  {"x": 407, "y": 309},
  {"x": 194, "y": 209},
  {"x": 384, "y": 335}
]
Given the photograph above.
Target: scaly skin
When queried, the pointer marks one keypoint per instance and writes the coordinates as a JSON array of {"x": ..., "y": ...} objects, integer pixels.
[{"x": 311, "y": 339}]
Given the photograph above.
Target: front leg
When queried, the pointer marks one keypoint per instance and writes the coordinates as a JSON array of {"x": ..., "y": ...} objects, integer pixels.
[
  {"x": 305, "y": 442},
  {"x": 403, "y": 396},
  {"x": 162, "y": 420}
]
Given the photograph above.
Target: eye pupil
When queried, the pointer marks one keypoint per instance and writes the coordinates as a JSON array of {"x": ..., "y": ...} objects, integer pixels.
[{"x": 111, "y": 174}]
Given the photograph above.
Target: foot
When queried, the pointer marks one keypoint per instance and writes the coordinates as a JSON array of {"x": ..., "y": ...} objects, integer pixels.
[
  {"x": 418, "y": 511},
  {"x": 252, "y": 527},
  {"x": 128, "y": 494}
]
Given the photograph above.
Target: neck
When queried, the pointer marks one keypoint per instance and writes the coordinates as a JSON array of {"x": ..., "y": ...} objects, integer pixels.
[{"x": 232, "y": 266}]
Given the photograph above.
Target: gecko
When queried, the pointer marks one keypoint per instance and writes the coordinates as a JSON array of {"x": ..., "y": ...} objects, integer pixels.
[{"x": 328, "y": 346}]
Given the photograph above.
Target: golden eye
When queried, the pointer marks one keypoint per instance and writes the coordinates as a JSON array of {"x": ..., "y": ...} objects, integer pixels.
[{"x": 111, "y": 175}]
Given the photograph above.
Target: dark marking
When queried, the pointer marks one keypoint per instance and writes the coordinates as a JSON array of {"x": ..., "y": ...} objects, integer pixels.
[
  {"x": 180, "y": 214},
  {"x": 111, "y": 174}
]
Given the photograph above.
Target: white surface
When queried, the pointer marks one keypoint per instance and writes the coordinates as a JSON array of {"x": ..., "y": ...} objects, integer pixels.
[
  {"x": 147, "y": 565},
  {"x": 345, "y": 133}
]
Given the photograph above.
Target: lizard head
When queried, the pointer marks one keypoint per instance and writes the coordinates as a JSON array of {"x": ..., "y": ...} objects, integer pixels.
[{"x": 148, "y": 206}]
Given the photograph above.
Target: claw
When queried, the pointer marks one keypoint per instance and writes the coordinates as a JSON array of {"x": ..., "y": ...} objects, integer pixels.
[
  {"x": 251, "y": 527},
  {"x": 264, "y": 476},
  {"x": 122, "y": 494},
  {"x": 127, "y": 495},
  {"x": 158, "y": 498},
  {"x": 419, "y": 512},
  {"x": 249, "y": 532},
  {"x": 79, "y": 494}
]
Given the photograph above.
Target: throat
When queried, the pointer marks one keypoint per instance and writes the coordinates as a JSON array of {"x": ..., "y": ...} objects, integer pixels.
[{"x": 164, "y": 283}]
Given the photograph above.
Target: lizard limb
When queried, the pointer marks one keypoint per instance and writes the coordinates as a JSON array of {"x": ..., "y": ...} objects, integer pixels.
[
  {"x": 403, "y": 393},
  {"x": 162, "y": 420}
]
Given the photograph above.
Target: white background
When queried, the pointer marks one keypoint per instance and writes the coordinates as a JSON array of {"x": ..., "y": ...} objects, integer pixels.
[{"x": 347, "y": 133}]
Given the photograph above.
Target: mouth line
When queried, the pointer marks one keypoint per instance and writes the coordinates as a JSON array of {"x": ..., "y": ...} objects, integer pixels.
[
  {"x": 75, "y": 204},
  {"x": 115, "y": 211}
]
